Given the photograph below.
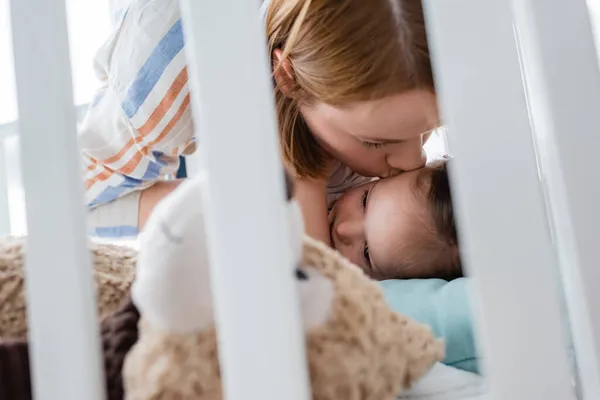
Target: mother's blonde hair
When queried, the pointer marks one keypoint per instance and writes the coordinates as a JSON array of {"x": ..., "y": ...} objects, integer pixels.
[{"x": 341, "y": 51}]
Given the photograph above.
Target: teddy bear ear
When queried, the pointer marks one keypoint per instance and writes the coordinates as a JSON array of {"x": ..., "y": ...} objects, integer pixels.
[
  {"x": 172, "y": 284},
  {"x": 316, "y": 297}
]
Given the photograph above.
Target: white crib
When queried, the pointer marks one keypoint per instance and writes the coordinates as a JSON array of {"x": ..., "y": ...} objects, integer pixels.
[{"x": 481, "y": 51}]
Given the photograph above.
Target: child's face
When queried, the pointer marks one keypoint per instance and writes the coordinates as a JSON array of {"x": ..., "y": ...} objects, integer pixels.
[
  {"x": 372, "y": 224},
  {"x": 376, "y": 138}
]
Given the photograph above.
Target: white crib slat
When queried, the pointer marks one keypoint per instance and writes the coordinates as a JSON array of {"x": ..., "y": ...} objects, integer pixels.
[
  {"x": 504, "y": 229},
  {"x": 63, "y": 323},
  {"x": 262, "y": 346},
  {"x": 564, "y": 92}
]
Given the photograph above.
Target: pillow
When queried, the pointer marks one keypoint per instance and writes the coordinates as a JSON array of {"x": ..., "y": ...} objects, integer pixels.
[{"x": 445, "y": 307}]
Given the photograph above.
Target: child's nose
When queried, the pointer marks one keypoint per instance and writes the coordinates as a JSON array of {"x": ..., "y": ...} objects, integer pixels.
[{"x": 349, "y": 231}]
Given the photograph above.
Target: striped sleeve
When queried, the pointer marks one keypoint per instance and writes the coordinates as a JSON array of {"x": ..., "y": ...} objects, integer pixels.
[{"x": 140, "y": 119}]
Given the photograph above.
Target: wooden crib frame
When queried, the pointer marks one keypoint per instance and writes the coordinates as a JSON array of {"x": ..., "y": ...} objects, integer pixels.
[{"x": 481, "y": 52}]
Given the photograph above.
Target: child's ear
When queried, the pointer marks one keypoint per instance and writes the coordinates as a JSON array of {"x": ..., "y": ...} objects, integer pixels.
[{"x": 283, "y": 72}]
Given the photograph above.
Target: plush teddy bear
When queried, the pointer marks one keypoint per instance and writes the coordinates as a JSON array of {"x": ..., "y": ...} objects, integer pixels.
[{"x": 161, "y": 344}]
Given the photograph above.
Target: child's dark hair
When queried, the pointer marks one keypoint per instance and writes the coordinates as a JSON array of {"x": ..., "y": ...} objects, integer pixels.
[
  {"x": 441, "y": 211},
  {"x": 437, "y": 254}
]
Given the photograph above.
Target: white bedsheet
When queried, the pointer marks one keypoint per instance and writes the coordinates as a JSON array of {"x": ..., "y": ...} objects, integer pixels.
[{"x": 447, "y": 383}]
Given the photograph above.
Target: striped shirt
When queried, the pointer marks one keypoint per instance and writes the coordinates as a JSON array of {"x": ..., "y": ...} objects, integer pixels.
[{"x": 140, "y": 120}]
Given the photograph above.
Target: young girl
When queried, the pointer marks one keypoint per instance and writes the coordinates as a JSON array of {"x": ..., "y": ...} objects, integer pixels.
[{"x": 353, "y": 88}]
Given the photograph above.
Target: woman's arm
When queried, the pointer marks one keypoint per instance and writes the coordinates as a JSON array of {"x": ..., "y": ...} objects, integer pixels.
[{"x": 312, "y": 196}]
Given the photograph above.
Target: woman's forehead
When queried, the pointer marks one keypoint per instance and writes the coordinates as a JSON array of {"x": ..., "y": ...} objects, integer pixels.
[
  {"x": 398, "y": 117},
  {"x": 394, "y": 117}
]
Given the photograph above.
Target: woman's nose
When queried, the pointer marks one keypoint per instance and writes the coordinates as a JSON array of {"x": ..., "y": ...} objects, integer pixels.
[
  {"x": 407, "y": 156},
  {"x": 349, "y": 231}
]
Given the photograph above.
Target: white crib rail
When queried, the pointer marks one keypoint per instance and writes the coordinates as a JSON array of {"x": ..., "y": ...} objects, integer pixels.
[
  {"x": 564, "y": 92},
  {"x": 504, "y": 229},
  {"x": 257, "y": 310},
  {"x": 63, "y": 325}
]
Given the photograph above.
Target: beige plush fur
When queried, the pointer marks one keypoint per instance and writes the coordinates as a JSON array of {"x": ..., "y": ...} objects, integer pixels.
[
  {"x": 114, "y": 269},
  {"x": 363, "y": 352}
]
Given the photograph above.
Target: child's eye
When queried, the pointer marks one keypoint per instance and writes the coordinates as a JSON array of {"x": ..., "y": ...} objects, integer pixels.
[
  {"x": 363, "y": 202},
  {"x": 364, "y": 198},
  {"x": 366, "y": 255},
  {"x": 372, "y": 145}
]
